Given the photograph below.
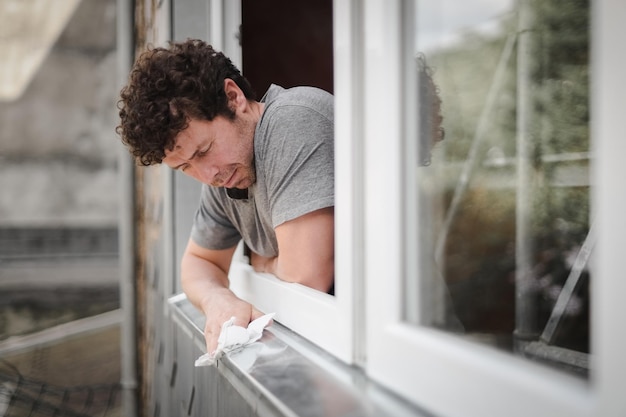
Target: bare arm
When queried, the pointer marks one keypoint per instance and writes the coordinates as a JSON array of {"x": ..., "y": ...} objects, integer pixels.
[
  {"x": 205, "y": 282},
  {"x": 306, "y": 251}
]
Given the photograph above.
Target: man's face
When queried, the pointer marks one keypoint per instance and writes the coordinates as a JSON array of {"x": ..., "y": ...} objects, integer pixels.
[{"x": 219, "y": 152}]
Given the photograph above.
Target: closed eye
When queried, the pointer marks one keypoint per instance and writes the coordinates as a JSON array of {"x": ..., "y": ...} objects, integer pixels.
[
  {"x": 197, "y": 154},
  {"x": 205, "y": 151}
]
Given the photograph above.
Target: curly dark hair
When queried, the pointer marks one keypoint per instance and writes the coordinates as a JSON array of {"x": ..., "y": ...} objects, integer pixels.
[{"x": 169, "y": 86}]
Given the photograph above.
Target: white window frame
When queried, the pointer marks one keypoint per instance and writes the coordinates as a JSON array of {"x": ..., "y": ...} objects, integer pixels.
[
  {"x": 327, "y": 321},
  {"x": 444, "y": 374},
  {"x": 609, "y": 133}
]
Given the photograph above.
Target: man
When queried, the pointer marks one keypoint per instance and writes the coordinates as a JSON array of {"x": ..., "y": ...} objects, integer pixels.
[{"x": 266, "y": 167}]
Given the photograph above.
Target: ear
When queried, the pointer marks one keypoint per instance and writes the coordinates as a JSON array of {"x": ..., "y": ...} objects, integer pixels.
[{"x": 236, "y": 97}]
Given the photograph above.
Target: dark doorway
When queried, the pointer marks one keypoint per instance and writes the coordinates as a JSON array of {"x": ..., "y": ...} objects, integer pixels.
[{"x": 288, "y": 43}]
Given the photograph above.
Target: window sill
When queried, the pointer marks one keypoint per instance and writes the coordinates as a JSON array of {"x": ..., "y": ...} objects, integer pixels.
[{"x": 286, "y": 375}]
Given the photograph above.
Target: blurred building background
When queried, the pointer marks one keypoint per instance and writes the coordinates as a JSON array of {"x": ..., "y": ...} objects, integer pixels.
[{"x": 59, "y": 291}]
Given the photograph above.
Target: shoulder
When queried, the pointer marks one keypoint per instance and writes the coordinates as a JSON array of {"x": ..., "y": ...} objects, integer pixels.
[
  {"x": 305, "y": 113},
  {"x": 280, "y": 100}
]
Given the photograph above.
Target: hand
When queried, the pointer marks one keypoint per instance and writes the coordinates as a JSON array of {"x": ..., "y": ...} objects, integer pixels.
[
  {"x": 262, "y": 264},
  {"x": 219, "y": 307}
]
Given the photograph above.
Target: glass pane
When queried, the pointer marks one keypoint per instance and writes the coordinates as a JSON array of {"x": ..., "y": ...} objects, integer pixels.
[{"x": 504, "y": 199}]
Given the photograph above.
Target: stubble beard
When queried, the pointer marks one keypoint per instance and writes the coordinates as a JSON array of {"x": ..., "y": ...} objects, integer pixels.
[{"x": 246, "y": 130}]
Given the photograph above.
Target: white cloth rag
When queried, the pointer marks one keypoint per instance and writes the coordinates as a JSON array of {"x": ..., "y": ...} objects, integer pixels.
[{"x": 234, "y": 337}]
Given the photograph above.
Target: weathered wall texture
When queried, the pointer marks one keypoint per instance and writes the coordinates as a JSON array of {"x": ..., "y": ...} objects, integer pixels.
[{"x": 58, "y": 147}]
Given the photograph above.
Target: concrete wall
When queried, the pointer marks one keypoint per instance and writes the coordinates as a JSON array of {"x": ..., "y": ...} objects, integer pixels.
[{"x": 58, "y": 147}]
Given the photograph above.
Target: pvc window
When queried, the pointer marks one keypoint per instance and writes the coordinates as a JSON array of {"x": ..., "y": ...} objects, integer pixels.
[{"x": 410, "y": 349}]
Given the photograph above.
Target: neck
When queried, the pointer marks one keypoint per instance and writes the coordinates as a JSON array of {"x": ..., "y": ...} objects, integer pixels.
[{"x": 257, "y": 109}]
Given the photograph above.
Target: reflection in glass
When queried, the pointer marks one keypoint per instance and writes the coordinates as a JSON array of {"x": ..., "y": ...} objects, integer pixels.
[{"x": 504, "y": 206}]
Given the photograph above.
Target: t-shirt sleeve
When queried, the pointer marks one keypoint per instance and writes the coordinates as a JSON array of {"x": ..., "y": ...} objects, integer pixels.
[
  {"x": 299, "y": 162},
  {"x": 211, "y": 227}
]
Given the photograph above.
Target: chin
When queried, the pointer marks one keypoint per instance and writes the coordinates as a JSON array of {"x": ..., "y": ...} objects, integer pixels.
[{"x": 244, "y": 183}]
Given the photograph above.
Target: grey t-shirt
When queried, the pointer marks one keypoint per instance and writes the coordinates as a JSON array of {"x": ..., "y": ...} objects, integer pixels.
[{"x": 294, "y": 162}]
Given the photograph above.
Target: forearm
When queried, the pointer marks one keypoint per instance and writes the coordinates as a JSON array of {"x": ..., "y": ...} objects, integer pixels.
[
  {"x": 263, "y": 264},
  {"x": 202, "y": 280},
  {"x": 205, "y": 282},
  {"x": 316, "y": 272}
]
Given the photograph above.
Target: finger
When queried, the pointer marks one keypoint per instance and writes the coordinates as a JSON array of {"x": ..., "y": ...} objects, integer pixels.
[
  {"x": 211, "y": 340},
  {"x": 211, "y": 345},
  {"x": 241, "y": 321}
]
